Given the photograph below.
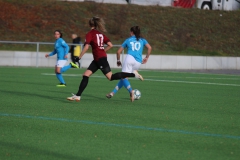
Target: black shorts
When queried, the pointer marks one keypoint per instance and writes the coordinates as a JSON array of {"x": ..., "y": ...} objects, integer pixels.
[{"x": 101, "y": 64}]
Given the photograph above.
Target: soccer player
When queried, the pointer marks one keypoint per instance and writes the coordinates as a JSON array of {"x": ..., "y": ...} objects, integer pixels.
[
  {"x": 133, "y": 60},
  {"x": 96, "y": 39},
  {"x": 61, "y": 49}
]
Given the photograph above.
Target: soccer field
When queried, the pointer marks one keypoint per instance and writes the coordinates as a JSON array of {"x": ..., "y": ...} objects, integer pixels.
[{"x": 179, "y": 116}]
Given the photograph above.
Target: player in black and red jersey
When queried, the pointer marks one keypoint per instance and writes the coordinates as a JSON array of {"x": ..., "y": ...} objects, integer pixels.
[{"x": 96, "y": 40}]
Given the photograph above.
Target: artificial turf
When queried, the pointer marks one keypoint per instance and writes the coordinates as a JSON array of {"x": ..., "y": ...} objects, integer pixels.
[{"x": 179, "y": 116}]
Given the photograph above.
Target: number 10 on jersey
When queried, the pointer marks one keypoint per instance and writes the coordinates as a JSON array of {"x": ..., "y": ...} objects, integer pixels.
[{"x": 135, "y": 46}]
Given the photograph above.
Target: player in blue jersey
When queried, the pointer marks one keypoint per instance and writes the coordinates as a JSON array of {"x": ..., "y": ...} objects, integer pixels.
[
  {"x": 61, "y": 49},
  {"x": 133, "y": 60},
  {"x": 96, "y": 40}
]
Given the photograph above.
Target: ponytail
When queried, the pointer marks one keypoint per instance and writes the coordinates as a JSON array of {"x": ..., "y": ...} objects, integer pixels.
[
  {"x": 136, "y": 31},
  {"x": 97, "y": 23}
]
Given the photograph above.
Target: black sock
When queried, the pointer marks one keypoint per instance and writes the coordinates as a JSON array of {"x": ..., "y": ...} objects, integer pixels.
[
  {"x": 82, "y": 85},
  {"x": 121, "y": 75}
]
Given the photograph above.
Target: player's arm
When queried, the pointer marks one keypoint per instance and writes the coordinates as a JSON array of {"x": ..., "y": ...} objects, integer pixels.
[
  {"x": 124, "y": 45},
  {"x": 109, "y": 46},
  {"x": 149, "y": 49},
  {"x": 51, "y": 54},
  {"x": 118, "y": 56},
  {"x": 66, "y": 48},
  {"x": 86, "y": 47}
]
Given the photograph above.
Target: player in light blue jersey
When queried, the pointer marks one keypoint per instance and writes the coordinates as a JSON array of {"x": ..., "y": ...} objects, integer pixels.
[
  {"x": 61, "y": 49},
  {"x": 133, "y": 60}
]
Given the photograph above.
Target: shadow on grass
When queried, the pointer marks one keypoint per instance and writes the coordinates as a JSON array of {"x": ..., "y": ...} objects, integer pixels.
[
  {"x": 36, "y": 151},
  {"x": 25, "y": 82},
  {"x": 90, "y": 96},
  {"x": 62, "y": 99}
]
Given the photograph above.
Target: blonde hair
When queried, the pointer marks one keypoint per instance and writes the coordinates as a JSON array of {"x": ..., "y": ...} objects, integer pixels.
[{"x": 98, "y": 23}]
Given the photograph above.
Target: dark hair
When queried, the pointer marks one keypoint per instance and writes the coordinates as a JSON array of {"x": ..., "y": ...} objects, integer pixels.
[
  {"x": 98, "y": 23},
  {"x": 136, "y": 31},
  {"x": 59, "y": 33}
]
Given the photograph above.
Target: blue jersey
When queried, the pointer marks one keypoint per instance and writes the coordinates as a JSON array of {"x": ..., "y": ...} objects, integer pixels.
[
  {"x": 135, "y": 47},
  {"x": 60, "y": 48}
]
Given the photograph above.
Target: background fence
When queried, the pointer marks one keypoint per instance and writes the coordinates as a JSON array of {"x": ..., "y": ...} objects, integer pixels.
[
  {"x": 26, "y": 58},
  {"x": 37, "y": 59}
]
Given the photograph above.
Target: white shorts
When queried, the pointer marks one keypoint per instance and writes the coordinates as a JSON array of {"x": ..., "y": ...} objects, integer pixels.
[
  {"x": 130, "y": 64},
  {"x": 61, "y": 63}
]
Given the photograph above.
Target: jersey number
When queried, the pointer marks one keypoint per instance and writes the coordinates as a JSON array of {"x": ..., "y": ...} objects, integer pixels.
[
  {"x": 135, "y": 46},
  {"x": 100, "y": 41}
]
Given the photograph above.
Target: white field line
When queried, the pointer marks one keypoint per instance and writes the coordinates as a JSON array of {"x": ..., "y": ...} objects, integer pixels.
[
  {"x": 216, "y": 74},
  {"x": 194, "y": 77},
  {"x": 153, "y": 80}
]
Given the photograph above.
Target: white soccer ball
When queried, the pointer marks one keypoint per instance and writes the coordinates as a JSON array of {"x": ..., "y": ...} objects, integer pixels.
[{"x": 137, "y": 94}]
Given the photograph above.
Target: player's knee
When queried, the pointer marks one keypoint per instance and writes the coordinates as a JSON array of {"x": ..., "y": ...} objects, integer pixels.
[
  {"x": 85, "y": 77},
  {"x": 57, "y": 72}
]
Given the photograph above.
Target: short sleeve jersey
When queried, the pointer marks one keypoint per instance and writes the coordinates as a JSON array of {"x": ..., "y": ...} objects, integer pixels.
[
  {"x": 135, "y": 47},
  {"x": 97, "y": 40}
]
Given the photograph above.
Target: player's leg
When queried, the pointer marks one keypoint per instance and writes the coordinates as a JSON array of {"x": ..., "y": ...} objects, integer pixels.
[
  {"x": 135, "y": 66},
  {"x": 83, "y": 84},
  {"x": 106, "y": 70},
  {"x": 77, "y": 62},
  {"x": 72, "y": 57},
  {"x": 58, "y": 67},
  {"x": 121, "y": 75},
  {"x": 117, "y": 87},
  {"x": 127, "y": 85},
  {"x": 128, "y": 66},
  {"x": 71, "y": 65}
]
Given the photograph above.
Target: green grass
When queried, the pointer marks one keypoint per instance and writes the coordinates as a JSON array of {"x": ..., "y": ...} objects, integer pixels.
[{"x": 179, "y": 116}]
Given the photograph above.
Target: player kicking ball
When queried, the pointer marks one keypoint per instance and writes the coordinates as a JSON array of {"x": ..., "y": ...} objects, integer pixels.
[
  {"x": 133, "y": 60},
  {"x": 96, "y": 39}
]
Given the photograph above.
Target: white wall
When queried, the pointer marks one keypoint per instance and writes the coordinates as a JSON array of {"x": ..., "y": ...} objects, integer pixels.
[{"x": 22, "y": 58}]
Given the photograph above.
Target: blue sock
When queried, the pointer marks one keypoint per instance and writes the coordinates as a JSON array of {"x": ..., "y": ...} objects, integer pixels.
[
  {"x": 127, "y": 85},
  {"x": 60, "y": 78},
  {"x": 118, "y": 86},
  {"x": 65, "y": 68}
]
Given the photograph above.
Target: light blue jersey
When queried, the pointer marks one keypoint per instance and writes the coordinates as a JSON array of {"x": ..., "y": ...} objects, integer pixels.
[
  {"x": 135, "y": 48},
  {"x": 61, "y": 48}
]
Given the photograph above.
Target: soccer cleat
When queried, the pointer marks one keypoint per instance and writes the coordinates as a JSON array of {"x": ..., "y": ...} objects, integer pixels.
[
  {"x": 61, "y": 85},
  {"x": 137, "y": 75},
  {"x": 132, "y": 96},
  {"x": 74, "y": 98},
  {"x": 109, "y": 95},
  {"x": 74, "y": 65}
]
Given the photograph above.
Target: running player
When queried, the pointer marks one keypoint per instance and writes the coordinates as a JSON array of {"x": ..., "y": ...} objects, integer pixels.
[
  {"x": 96, "y": 39},
  {"x": 133, "y": 60},
  {"x": 61, "y": 49}
]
